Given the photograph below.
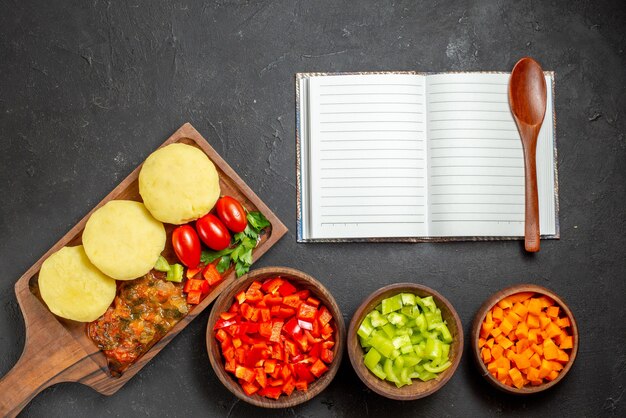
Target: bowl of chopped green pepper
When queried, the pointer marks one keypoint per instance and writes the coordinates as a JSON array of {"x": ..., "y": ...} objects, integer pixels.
[{"x": 405, "y": 341}]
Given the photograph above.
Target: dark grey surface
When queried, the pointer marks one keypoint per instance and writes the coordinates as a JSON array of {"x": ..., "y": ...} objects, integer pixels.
[{"x": 89, "y": 89}]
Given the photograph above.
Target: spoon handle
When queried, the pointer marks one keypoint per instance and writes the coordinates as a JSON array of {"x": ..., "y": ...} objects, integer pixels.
[{"x": 529, "y": 136}]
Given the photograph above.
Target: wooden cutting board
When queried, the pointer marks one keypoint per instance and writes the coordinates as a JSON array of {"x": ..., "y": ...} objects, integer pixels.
[{"x": 58, "y": 350}]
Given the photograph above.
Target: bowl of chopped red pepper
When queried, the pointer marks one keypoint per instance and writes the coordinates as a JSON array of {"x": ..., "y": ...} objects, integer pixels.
[{"x": 275, "y": 337}]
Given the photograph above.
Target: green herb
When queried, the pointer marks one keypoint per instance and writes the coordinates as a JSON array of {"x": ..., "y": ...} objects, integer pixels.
[
  {"x": 257, "y": 220},
  {"x": 241, "y": 246}
]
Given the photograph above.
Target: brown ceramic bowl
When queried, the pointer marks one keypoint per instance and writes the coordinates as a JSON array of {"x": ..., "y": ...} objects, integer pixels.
[
  {"x": 418, "y": 389},
  {"x": 480, "y": 317},
  {"x": 301, "y": 281}
]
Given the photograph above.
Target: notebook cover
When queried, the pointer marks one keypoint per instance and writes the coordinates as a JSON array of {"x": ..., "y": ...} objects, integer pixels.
[{"x": 299, "y": 214}]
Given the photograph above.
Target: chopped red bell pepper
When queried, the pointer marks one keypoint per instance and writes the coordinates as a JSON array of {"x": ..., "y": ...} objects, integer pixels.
[
  {"x": 271, "y": 392},
  {"x": 292, "y": 301},
  {"x": 261, "y": 377},
  {"x": 303, "y": 372},
  {"x": 249, "y": 388},
  {"x": 289, "y": 386},
  {"x": 286, "y": 289},
  {"x": 271, "y": 286},
  {"x": 285, "y": 313},
  {"x": 304, "y": 294},
  {"x": 211, "y": 275},
  {"x": 318, "y": 368},
  {"x": 265, "y": 329},
  {"x": 324, "y": 316},
  {"x": 194, "y": 297},
  {"x": 245, "y": 373},
  {"x": 327, "y": 356},
  {"x": 292, "y": 328},
  {"x": 196, "y": 285},
  {"x": 192, "y": 273},
  {"x": 307, "y": 312},
  {"x": 276, "y": 329},
  {"x": 241, "y": 297},
  {"x": 275, "y": 338}
]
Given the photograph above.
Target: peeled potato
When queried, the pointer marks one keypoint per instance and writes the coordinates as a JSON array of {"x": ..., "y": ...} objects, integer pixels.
[
  {"x": 123, "y": 240},
  {"x": 73, "y": 288},
  {"x": 178, "y": 184}
]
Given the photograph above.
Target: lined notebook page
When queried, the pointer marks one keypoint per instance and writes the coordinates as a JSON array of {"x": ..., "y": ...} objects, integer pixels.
[
  {"x": 367, "y": 156},
  {"x": 476, "y": 166}
]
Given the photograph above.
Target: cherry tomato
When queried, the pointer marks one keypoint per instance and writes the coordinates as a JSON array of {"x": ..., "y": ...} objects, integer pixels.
[
  {"x": 231, "y": 213},
  {"x": 186, "y": 245},
  {"x": 213, "y": 232}
]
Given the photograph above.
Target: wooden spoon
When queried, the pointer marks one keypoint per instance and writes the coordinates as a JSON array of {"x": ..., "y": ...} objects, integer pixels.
[{"x": 527, "y": 98}]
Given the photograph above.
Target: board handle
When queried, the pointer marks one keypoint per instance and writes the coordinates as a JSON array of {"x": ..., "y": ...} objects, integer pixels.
[{"x": 50, "y": 356}]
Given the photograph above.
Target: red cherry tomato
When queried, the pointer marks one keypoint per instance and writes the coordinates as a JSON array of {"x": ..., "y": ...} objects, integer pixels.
[
  {"x": 231, "y": 213},
  {"x": 213, "y": 232},
  {"x": 186, "y": 245}
]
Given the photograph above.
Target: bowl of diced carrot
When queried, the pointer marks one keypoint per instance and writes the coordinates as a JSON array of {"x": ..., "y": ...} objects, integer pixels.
[{"x": 524, "y": 339}]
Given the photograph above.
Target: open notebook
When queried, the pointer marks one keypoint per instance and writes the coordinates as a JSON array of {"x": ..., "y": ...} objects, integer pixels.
[{"x": 416, "y": 157}]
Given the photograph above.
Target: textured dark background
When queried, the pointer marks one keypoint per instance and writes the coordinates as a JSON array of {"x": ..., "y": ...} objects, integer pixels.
[{"x": 89, "y": 88}]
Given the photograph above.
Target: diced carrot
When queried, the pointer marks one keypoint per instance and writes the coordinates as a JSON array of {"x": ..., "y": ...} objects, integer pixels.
[
  {"x": 544, "y": 369},
  {"x": 555, "y": 365},
  {"x": 486, "y": 354},
  {"x": 532, "y": 374},
  {"x": 497, "y": 351},
  {"x": 533, "y": 335},
  {"x": 544, "y": 320},
  {"x": 552, "y": 375},
  {"x": 520, "y": 309},
  {"x": 521, "y": 297},
  {"x": 510, "y": 354},
  {"x": 490, "y": 342},
  {"x": 537, "y": 348},
  {"x": 513, "y": 318},
  {"x": 516, "y": 378},
  {"x": 562, "y": 356},
  {"x": 522, "y": 330},
  {"x": 563, "y": 322},
  {"x": 545, "y": 301},
  {"x": 535, "y": 360},
  {"x": 495, "y": 332},
  {"x": 487, "y": 327},
  {"x": 503, "y": 363},
  {"x": 528, "y": 353},
  {"x": 553, "y": 311},
  {"x": 532, "y": 320},
  {"x": 550, "y": 350},
  {"x": 521, "y": 361},
  {"x": 502, "y": 374},
  {"x": 506, "y": 326},
  {"x": 505, "y": 303},
  {"x": 488, "y": 318},
  {"x": 481, "y": 342},
  {"x": 567, "y": 342},
  {"x": 553, "y": 330},
  {"x": 534, "y": 306},
  {"x": 497, "y": 313},
  {"x": 505, "y": 343},
  {"x": 492, "y": 367},
  {"x": 511, "y": 336}
]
